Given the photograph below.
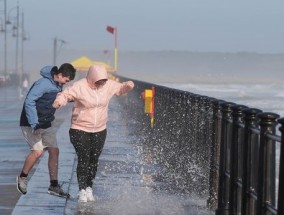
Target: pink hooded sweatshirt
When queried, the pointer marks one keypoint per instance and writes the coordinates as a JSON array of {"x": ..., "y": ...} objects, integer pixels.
[{"x": 90, "y": 110}]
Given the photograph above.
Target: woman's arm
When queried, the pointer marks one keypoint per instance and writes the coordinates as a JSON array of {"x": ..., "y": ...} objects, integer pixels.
[
  {"x": 125, "y": 87},
  {"x": 64, "y": 97}
]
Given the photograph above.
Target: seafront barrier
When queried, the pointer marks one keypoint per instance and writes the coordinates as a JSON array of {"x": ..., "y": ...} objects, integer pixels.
[{"x": 226, "y": 152}]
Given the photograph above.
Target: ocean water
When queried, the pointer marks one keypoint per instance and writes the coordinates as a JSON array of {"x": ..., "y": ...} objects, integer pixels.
[{"x": 266, "y": 97}]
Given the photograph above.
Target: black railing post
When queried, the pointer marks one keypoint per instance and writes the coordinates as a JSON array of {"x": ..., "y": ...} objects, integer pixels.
[
  {"x": 236, "y": 157},
  {"x": 266, "y": 175},
  {"x": 214, "y": 156},
  {"x": 251, "y": 122},
  {"x": 280, "y": 205},
  {"x": 159, "y": 120},
  {"x": 223, "y": 189}
]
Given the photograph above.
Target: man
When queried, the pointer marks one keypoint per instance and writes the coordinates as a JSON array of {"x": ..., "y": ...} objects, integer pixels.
[{"x": 37, "y": 124}]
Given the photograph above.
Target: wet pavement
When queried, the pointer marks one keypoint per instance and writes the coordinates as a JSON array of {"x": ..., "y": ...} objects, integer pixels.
[
  {"x": 12, "y": 147},
  {"x": 124, "y": 183}
]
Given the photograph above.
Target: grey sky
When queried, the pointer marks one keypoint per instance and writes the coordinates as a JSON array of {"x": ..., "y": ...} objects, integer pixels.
[{"x": 193, "y": 25}]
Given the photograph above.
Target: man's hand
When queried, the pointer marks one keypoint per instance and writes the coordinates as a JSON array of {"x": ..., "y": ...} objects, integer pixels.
[{"x": 37, "y": 131}]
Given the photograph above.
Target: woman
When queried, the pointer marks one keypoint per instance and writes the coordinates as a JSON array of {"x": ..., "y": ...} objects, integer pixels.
[{"x": 91, "y": 96}]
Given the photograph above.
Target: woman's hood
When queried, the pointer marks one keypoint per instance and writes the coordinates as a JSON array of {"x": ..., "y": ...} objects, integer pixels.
[{"x": 96, "y": 73}]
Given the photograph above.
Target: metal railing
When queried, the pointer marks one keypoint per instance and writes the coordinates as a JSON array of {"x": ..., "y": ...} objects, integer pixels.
[{"x": 227, "y": 152}]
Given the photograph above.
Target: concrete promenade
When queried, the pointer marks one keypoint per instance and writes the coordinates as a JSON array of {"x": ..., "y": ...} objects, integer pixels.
[{"x": 124, "y": 183}]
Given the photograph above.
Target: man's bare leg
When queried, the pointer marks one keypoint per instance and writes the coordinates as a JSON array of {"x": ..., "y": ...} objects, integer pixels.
[{"x": 31, "y": 159}]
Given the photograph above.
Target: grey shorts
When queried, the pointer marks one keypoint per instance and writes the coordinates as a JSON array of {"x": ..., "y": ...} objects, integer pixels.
[{"x": 46, "y": 138}]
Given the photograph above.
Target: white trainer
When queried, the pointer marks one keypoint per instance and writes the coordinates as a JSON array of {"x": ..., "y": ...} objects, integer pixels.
[
  {"x": 82, "y": 196},
  {"x": 90, "y": 196},
  {"x": 22, "y": 184}
]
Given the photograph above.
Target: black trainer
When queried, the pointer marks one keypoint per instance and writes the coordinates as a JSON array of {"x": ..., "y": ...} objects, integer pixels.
[{"x": 57, "y": 191}]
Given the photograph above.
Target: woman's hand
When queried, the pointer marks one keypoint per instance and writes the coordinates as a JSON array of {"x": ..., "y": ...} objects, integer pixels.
[
  {"x": 56, "y": 104},
  {"x": 130, "y": 84}
]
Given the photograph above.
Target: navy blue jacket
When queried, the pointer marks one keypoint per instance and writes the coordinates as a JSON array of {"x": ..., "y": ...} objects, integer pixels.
[{"x": 37, "y": 110}]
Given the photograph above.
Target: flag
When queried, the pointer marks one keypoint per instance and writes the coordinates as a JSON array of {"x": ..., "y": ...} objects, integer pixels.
[{"x": 110, "y": 29}]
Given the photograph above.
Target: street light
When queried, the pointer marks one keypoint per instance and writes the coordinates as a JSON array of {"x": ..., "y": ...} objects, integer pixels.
[
  {"x": 2, "y": 29},
  {"x": 5, "y": 39},
  {"x": 8, "y": 16},
  {"x": 15, "y": 30},
  {"x": 113, "y": 30},
  {"x": 57, "y": 49},
  {"x": 15, "y": 33},
  {"x": 24, "y": 36}
]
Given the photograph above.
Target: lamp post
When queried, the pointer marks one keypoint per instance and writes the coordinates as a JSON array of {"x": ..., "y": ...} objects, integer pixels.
[
  {"x": 17, "y": 40},
  {"x": 15, "y": 33},
  {"x": 5, "y": 39},
  {"x": 24, "y": 36},
  {"x": 15, "y": 21},
  {"x": 22, "y": 49},
  {"x": 113, "y": 30},
  {"x": 56, "y": 49},
  {"x": 4, "y": 30}
]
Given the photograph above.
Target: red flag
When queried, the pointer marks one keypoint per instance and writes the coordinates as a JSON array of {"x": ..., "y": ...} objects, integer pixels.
[{"x": 110, "y": 29}]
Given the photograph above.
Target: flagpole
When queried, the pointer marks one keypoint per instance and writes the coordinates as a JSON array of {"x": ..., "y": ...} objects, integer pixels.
[
  {"x": 115, "y": 49},
  {"x": 113, "y": 30}
]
